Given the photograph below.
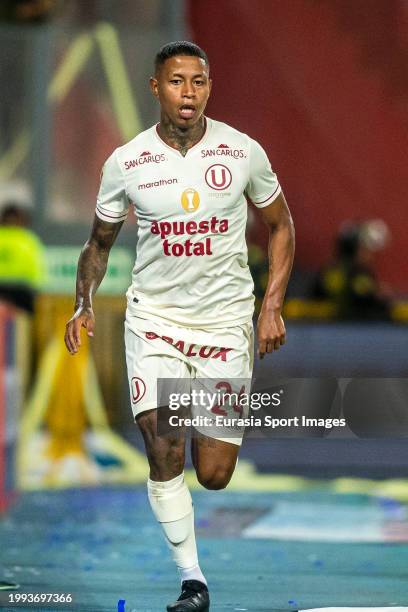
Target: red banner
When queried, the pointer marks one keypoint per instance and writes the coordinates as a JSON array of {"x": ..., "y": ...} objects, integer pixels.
[{"x": 323, "y": 87}]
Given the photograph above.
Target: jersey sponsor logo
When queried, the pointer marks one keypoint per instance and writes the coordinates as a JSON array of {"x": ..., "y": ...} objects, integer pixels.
[
  {"x": 137, "y": 389},
  {"x": 164, "y": 229},
  {"x": 160, "y": 183},
  {"x": 225, "y": 150},
  {"x": 190, "y": 199},
  {"x": 145, "y": 158},
  {"x": 218, "y": 177},
  {"x": 192, "y": 350}
]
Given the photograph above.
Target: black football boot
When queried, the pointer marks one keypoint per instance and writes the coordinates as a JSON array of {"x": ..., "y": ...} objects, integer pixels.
[{"x": 194, "y": 598}]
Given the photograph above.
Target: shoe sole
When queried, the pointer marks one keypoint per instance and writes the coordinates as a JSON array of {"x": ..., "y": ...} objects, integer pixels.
[{"x": 207, "y": 609}]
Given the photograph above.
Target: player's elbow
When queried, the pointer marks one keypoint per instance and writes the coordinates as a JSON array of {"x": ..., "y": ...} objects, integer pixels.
[
  {"x": 290, "y": 227},
  {"x": 285, "y": 226}
]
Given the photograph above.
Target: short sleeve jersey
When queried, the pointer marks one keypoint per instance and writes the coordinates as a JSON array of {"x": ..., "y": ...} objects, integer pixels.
[{"x": 191, "y": 264}]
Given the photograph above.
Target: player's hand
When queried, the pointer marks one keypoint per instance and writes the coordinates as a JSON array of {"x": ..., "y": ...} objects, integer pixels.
[
  {"x": 271, "y": 332},
  {"x": 83, "y": 317}
]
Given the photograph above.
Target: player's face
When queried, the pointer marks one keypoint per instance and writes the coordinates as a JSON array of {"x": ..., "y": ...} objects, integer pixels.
[{"x": 182, "y": 86}]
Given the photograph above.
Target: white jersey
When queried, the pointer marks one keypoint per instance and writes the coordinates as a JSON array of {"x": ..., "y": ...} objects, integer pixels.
[{"x": 191, "y": 264}]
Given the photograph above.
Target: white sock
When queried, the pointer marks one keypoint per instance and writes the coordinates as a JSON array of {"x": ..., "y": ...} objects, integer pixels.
[
  {"x": 173, "y": 507},
  {"x": 192, "y": 573}
]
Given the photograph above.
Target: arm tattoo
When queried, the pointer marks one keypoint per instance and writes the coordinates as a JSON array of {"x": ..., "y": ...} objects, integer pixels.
[{"x": 93, "y": 260}]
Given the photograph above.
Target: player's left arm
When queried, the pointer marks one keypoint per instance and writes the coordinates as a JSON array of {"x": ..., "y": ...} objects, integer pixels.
[{"x": 271, "y": 328}]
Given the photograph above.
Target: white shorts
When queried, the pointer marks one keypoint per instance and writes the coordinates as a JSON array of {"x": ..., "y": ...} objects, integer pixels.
[{"x": 186, "y": 357}]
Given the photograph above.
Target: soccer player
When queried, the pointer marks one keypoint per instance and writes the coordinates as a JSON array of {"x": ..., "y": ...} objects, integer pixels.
[{"x": 190, "y": 304}]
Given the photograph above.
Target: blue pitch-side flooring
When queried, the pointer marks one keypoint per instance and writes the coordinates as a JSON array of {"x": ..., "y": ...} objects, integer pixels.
[{"x": 103, "y": 545}]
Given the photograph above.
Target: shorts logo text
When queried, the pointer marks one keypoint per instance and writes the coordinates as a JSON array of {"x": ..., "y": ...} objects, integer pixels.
[{"x": 192, "y": 350}]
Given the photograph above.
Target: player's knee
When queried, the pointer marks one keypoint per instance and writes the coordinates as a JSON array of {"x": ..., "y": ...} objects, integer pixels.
[{"x": 215, "y": 479}]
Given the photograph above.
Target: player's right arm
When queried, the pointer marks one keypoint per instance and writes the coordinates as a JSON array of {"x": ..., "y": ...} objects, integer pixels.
[
  {"x": 92, "y": 265},
  {"x": 111, "y": 211}
]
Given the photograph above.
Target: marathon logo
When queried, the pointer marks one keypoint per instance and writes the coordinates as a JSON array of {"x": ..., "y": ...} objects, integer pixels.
[
  {"x": 180, "y": 228},
  {"x": 192, "y": 350},
  {"x": 145, "y": 158},
  {"x": 160, "y": 183},
  {"x": 223, "y": 149}
]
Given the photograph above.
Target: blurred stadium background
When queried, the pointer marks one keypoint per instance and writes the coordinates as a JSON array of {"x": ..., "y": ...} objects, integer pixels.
[{"x": 322, "y": 85}]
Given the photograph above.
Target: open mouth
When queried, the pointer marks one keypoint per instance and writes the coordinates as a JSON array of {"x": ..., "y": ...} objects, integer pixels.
[{"x": 186, "y": 111}]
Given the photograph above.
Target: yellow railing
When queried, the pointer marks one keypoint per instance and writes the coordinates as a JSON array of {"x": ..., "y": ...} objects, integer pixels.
[{"x": 104, "y": 38}]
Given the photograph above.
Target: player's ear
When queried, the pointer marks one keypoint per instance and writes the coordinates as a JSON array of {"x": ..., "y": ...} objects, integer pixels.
[
  {"x": 154, "y": 86},
  {"x": 209, "y": 85}
]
